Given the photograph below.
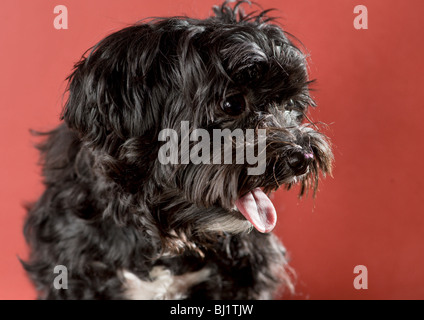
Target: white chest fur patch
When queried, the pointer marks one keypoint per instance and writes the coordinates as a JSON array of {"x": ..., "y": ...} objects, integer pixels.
[{"x": 163, "y": 284}]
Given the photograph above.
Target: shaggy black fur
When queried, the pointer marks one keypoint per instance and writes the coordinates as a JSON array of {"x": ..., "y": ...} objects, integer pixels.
[{"x": 109, "y": 205}]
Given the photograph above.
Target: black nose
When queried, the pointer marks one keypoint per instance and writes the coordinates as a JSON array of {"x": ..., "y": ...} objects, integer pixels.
[{"x": 299, "y": 161}]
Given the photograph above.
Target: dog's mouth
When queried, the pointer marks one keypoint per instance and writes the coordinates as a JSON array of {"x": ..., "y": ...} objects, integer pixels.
[{"x": 258, "y": 209}]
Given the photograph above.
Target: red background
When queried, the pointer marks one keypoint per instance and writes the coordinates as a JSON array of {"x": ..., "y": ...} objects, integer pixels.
[{"x": 369, "y": 90}]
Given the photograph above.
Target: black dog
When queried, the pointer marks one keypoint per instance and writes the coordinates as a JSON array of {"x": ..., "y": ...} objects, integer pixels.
[{"x": 126, "y": 225}]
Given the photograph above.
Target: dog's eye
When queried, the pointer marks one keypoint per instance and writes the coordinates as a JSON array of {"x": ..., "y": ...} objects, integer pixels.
[{"x": 234, "y": 105}]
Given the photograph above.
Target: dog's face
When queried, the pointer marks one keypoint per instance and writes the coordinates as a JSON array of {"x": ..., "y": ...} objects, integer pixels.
[{"x": 225, "y": 72}]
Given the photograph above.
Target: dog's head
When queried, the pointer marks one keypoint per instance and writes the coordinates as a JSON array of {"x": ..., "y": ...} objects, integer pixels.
[{"x": 157, "y": 83}]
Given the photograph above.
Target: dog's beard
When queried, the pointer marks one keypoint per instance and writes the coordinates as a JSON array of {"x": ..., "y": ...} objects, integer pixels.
[{"x": 210, "y": 199}]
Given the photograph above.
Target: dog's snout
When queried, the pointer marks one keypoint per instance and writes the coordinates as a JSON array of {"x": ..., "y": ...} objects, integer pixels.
[{"x": 299, "y": 161}]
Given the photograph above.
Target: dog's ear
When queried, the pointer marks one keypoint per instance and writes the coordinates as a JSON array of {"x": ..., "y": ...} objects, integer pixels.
[
  {"x": 115, "y": 102},
  {"x": 107, "y": 89}
]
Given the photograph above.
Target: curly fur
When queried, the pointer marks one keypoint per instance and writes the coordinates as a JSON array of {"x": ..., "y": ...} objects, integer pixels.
[{"x": 111, "y": 212}]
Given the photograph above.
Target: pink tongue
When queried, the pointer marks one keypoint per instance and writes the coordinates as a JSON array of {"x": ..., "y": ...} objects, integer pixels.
[{"x": 258, "y": 209}]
